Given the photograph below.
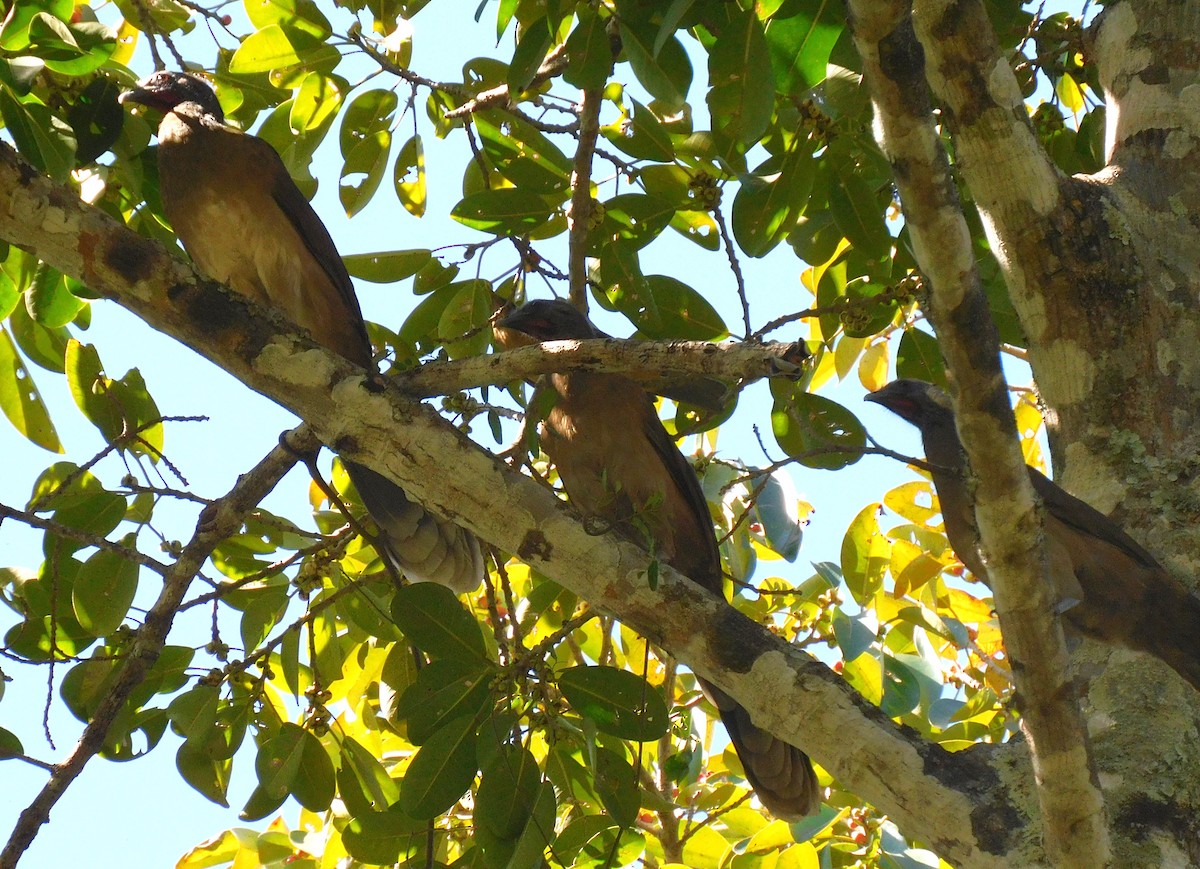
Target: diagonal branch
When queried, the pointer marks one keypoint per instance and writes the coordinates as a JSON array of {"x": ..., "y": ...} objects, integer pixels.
[
  {"x": 956, "y": 802},
  {"x": 1009, "y": 524},
  {"x": 216, "y": 522}
]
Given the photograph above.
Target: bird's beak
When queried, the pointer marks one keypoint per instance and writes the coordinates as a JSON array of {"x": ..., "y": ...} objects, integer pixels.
[{"x": 144, "y": 96}]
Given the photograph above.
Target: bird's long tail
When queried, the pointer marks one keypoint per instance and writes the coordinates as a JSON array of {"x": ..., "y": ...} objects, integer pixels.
[
  {"x": 424, "y": 547},
  {"x": 1171, "y": 629},
  {"x": 781, "y": 774}
]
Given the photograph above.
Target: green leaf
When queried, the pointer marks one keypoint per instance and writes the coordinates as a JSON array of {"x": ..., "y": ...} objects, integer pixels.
[
  {"x": 589, "y": 51},
  {"x": 363, "y": 170},
  {"x": 368, "y": 113},
  {"x": 441, "y": 771},
  {"x": 49, "y": 301},
  {"x": 317, "y": 101},
  {"x": 261, "y": 803},
  {"x": 314, "y": 784},
  {"x": 42, "y": 138},
  {"x": 852, "y": 635},
  {"x": 866, "y": 555},
  {"x": 666, "y": 73},
  {"x": 96, "y": 119},
  {"x": 642, "y": 137},
  {"x": 800, "y": 46},
  {"x": 859, "y": 215},
  {"x": 21, "y": 401},
  {"x": 379, "y": 838},
  {"x": 362, "y": 774},
  {"x": 920, "y": 358},
  {"x": 279, "y": 760},
  {"x": 683, "y": 313},
  {"x": 742, "y": 95},
  {"x": 817, "y": 432},
  {"x": 901, "y": 688},
  {"x": 103, "y": 591},
  {"x": 770, "y": 201},
  {"x": 444, "y": 690},
  {"x": 95, "y": 43},
  {"x": 530, "y": 52},
  {"x": 298, "y": 16},
  {"x": 637, "y": 216},
  {"x": 616, "y": 783},
  {"x": 625, "y": 287},
  {"x": 463, "y": 325},
  {"x": 410, "y": 187},
  {"x": 194, "y": 712},
  {"x": 264, "y": 50},
  {"x": 432, "y": 618},
  {"x": 118, "y": 408},
  {"x": 617, "y": 701},
  {"x": 507, "y": 791},
  {"x": 523, "y": 154},
  {"x": 386, "y": 268},
  {"x": 506, "y": 211},
  {"x": 14, "y": 36},
  {"x": 207, "y": 775},
  {"x": 775, "y": 509},
  {"x": 10, "y": 745}
]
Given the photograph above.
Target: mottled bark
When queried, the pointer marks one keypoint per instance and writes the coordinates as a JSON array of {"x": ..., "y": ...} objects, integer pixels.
[{"x": 1072, "y": 808}]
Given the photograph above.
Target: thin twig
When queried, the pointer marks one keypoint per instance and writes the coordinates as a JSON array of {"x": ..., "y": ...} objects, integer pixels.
[{"x": 215, "y": 524}]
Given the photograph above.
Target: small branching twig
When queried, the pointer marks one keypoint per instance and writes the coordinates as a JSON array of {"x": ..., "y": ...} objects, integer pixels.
[{"x": 215, "y": 524}]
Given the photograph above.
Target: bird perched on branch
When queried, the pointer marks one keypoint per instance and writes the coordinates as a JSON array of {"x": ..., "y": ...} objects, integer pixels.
[
  {"x": 245, "y": 223},
  {"x": 618, "y": 463},
  {"x": 1109, "y": 587}
]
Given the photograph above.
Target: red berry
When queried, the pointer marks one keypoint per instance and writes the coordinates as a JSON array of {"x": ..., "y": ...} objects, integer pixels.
[{"x": 226, "y": 20}]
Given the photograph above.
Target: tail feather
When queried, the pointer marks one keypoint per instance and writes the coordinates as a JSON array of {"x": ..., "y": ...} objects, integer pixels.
[
  {"x": 782, "y": 775},
  {"x": 1171, "y": 630},
  {"x": 424, "y": 547}
]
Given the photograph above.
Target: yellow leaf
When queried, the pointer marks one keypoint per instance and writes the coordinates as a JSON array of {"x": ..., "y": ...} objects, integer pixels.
[
  {"x": 127, "y": 37},
  {"x": 846, "y": 353},
  {"x": 1070, "y": 93},
  {"x": 873, "y": 367},
  {"x": 967, "y": 609},
  {"x": 909, "y": 499},
  {"x": 823, "y": 370}
]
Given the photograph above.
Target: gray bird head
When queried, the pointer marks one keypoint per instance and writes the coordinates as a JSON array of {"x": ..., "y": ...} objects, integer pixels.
[
  {"x": 166, "y": 91},
  {"x": 550, "y": 320},
  {"x": 915, "y": 401}
]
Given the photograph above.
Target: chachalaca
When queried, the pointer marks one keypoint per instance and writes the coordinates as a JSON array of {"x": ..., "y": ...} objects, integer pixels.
[
  {"x": 1108, "y": 586},
  {"x": 245, "y": 223},
  {"x": 618, "y": 463}
]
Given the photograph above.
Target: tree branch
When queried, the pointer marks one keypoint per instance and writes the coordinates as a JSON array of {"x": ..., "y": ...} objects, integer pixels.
[
  {"x": 216, "y": 523},
  {"x": 657, "y": 365},
  {"x": 955, "y": 802},
  {"x": 1073, "y": 818}
]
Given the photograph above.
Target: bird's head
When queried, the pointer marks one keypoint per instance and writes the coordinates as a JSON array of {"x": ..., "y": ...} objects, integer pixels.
[
  {"x": 165, "y": 91},
  {"x": 915, "y": 401},
  {"x": 549, "y": 320}
]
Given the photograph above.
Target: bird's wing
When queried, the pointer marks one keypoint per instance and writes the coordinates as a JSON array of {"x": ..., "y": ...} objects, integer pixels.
[{"x": 1087, "y": 520}]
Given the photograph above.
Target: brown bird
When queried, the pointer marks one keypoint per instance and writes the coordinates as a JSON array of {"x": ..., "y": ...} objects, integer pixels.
[
  {"x": 618, "y": 463},
  {"x": 245, "y": 223},
  {"x": 1109, "y": 587}
]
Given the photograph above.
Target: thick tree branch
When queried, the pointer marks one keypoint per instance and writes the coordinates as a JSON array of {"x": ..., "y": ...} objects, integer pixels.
[
  {"x": 955, "y": 802},
  {"x": 657, "y": 365},
  {"x": 1009, "y": 524},
  {"x": 217, "y": 522}
]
